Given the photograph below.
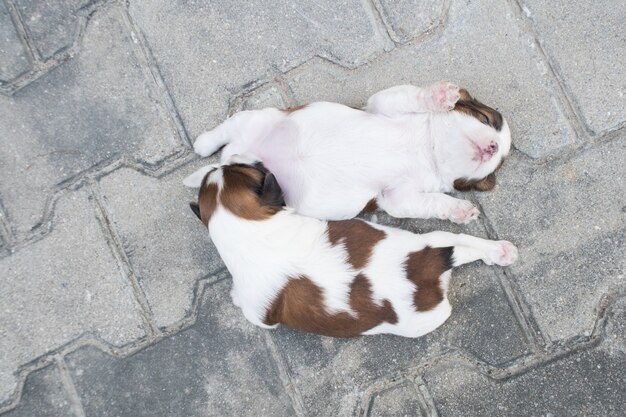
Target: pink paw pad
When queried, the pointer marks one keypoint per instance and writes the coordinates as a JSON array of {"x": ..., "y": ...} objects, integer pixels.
[
  {"x": 506, "y": 253},
  {"x": 464, "y": 213},
  {"x": 445, "y": 95}
]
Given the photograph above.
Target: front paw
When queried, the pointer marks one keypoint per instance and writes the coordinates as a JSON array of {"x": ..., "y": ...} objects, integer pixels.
[
  {"x": 463, "y": 212},
  {"x": 444, "y": 96},
  {"x": 503, "y": 253}
]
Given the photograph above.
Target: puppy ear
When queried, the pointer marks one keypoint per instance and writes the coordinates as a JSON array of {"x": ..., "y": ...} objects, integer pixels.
[
  {"x": 196, "y": 209},
  {"x": 487, "y": 183},
  {"x": 271, "y": 193},
  {"x": 465, "y": 95},
  {"x": 195, "y": 179}
]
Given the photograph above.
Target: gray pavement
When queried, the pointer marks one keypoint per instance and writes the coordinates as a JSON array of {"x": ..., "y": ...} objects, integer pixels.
[{"x": 114, "y": 302}]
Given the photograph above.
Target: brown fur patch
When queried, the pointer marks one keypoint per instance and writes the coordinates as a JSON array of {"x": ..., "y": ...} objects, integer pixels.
[
  {"x": 290, "y": 110},
  {"x": 300, "y": 305},
  {"x": 424, "y": 269},
  {"x": 485, "y": 184},
  {"x": 207, "y": 201},
  {"x": 478, "y": 110},
  {"x": 370, "y": 207},
  {"x": 358, "y": 237},
  {"x": 244, "y": 193}
]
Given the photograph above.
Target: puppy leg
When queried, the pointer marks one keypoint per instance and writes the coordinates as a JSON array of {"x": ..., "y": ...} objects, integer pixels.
[
  {"x": 406, "y": 202},
  {"x": 245, "y": 126},
  {"x": 470, "y": 248},
  {"x": 405, "y": 99}
]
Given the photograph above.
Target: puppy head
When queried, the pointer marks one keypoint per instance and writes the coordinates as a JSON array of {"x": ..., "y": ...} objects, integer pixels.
[
  {"x": 484, "y": 140},
  {"x": 244, "y": 187}
]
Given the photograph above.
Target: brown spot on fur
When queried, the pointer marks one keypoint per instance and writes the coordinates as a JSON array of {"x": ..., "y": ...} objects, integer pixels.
[
  {"x": 485, "y": 184},
  {"x": 472, "y": 107},
  {"x": 290, "y": 110},
  {"x": 358, "y": 237},
  {"x": 207, "y": 201},
  {"x": 424, "y": 269},
  {"x": 370, "y": 207},
  {"x": 300, "y": 305}
]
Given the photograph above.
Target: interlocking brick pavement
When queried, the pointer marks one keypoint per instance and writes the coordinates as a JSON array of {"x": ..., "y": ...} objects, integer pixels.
[{"x": 113, "y": 300}]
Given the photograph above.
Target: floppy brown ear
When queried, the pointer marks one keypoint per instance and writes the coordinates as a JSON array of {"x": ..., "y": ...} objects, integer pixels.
[
  {"x": 465, "y": 95},
  {"x": 485, "y": 184},
  {"x": 271, "y": 193}
]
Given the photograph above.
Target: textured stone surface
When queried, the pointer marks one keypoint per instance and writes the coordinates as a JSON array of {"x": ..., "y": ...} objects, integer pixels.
[
  {"x": 262, "y": 98},
  {"x": 407, "y": 19},
  {"x": 168, "y": 247},
  {"x": 218, "y": 367},
  {"x": 587, "y": 42},
  {"x": 61, "y": 287},
  {"x": 51, "y": 23},
  {"x": 332, "y": 373},
  {"x": 486, "y": 52},
  {"x": 13, "y": 59},
  {"x": 74, "y": 127},
  {"x": 400, "y": 401},
  {"x": 43, "y": 396},
  {"x": 569, "y": 225},
  {"x": 590, "y": 383},
  {"x": 208, "y": 50},
  {"x": 92, "y": 108}
]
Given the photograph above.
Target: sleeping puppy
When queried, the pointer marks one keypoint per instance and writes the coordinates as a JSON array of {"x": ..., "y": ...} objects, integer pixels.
[
  {"x": 403, "y": 151},
  {"x": 336, "y": 278}
]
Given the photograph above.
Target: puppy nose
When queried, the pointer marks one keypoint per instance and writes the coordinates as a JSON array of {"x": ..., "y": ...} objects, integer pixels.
[{"x": 492, "y": 148}]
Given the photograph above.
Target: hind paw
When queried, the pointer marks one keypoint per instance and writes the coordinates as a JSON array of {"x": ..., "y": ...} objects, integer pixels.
[{"x": 207, "y": 144}]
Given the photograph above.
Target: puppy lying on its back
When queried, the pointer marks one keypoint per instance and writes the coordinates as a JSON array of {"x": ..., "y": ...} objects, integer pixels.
[
  {"x": 338, "y": 278},
  {"x": 407, "y": 148}
]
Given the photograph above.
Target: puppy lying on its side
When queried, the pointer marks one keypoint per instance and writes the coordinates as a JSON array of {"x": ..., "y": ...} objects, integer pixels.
[
  {"x": 403, "y": 151},
  {"x": 337, "y": 278}
]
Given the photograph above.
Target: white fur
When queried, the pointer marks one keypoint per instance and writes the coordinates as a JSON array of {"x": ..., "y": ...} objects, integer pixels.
[
  {"x": 262, "y": 255},
  {"x": 406, "y": 149}
]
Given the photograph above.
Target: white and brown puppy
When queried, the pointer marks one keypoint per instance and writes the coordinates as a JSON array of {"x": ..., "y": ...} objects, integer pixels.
[
  {"x": 337, "y": 278},
  {"x": 406, "y": 149}
]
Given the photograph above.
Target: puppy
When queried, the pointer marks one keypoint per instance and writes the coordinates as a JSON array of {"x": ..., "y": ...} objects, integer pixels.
[
  {"x": 403, "y": 151},
  {"x": 336, "y": 278}
]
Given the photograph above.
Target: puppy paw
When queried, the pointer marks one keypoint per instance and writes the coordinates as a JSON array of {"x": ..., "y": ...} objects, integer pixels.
[
  {"x": 503, "y": 253},
  {"x": 207, "y": 144},
  {"x": 464, "y": 212},
  {"x": 444, "y": 96}
]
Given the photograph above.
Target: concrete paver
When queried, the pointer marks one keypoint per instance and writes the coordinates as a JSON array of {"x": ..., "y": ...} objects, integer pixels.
[
  {"x": 43, "y": 396},
  {"x": 398, "y": 401},
  {"x": 588, "y": 383},
  {"x": 220, "y": 366},
  {"x": 61, "y": 287},
  {"x": 407, "y": 19},
  {"x": 587, "y": 43},
  {"x": 113, "y": 301},
  {"x": 83, "y": 112},
  {"x": 51, "y": 23},
  {"x": 13, "y": 58}
]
